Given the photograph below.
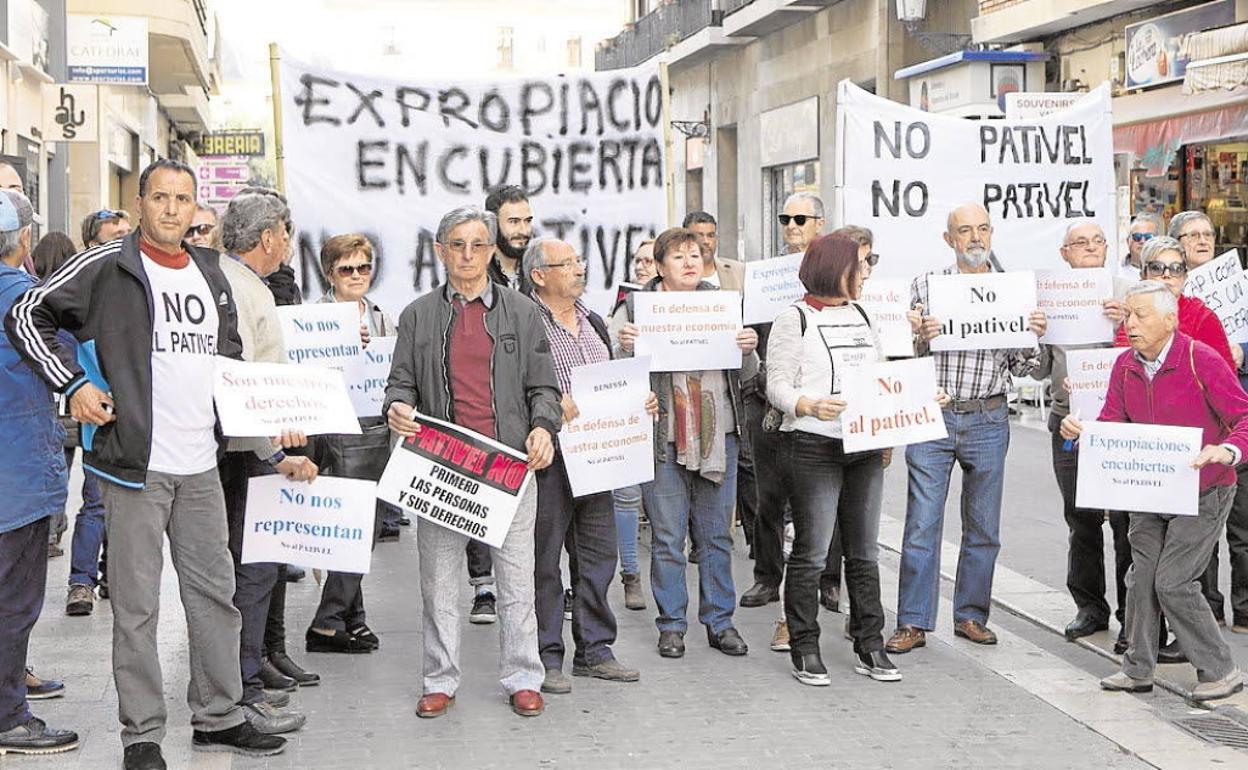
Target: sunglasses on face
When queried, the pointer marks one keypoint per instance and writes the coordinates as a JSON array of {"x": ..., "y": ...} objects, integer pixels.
[
  {"x": 872, "y": 259},
  {"x": 364, "y": 270},
  {"x": 1177, "y": 269},
  {"x": 104, "y": 214},
  {"x": 1142, "y": 237},
  {"x": 200, "y": 230},
  {"x": 797, "y": 219}
]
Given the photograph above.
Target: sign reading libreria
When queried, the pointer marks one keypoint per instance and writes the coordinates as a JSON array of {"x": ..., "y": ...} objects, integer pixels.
[
  {"x": 901, "y": 171},
  {"x": 388, "y": 157},
  {"x": 457, "y": 479}
]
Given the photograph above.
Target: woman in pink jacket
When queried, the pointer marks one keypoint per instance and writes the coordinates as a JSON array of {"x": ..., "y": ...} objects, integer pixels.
[{"x": 1167, "y": 378}]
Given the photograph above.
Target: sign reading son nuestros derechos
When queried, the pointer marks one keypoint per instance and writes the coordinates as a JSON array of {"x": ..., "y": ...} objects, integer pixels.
[
  {"x": 263, "y": 399},
  {"x": 326, "y": 524},
  {"x": 983, "y": 311},
  {"x": 688, "y": 330},
  {"x": 1138, "y": 467},
  {"x": 890, "y": 405},
  {"x": 457, "y": 479},
  {"x": 323, "y": 334}
]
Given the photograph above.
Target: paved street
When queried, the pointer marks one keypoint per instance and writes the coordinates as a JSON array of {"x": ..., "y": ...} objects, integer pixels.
[{"x": 1031, "y": 702}]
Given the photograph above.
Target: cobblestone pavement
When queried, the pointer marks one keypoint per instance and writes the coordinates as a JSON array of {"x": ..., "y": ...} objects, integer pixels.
[{"x": 956, "y": 707}]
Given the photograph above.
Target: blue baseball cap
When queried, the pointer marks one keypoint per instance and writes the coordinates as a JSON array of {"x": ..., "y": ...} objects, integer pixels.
[{"x": 15, "y": 211}]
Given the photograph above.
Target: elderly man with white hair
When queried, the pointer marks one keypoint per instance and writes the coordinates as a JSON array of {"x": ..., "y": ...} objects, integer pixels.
[
  {"x": 1084, "y": 247},
  {"x": 1168, "y": 378},
  {"x": 475, "y": 353}
]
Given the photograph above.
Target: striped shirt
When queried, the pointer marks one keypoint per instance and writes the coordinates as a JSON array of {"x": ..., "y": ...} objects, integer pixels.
[
  {"x": 572, "y": 350},
  {"x": 972, "y": 374}
]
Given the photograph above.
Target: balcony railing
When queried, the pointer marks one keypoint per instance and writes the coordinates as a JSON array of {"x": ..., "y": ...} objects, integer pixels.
[{"x": 653, "y": 33}]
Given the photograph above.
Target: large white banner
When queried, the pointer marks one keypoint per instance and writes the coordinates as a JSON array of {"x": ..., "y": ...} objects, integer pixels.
[
  {"x": 611, "y": 444},
  {"x": 1138, "y": 467},
  {"x": 326, "y": 524},
  {"x": 900, "y": 171},
  {"x": 388, "y": 157}
]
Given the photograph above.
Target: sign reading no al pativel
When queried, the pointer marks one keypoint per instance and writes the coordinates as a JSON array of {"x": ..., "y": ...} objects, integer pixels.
[
  {"x": 900, "y": 171},
  {"x": 388, "y": 157},
  {"x": 456, "y": 479}
]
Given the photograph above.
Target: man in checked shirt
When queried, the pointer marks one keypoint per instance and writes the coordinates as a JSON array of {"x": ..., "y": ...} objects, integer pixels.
[{"x": 979, "y": 436}]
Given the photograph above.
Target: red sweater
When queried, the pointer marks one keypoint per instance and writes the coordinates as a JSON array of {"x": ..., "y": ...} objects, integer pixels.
[{"x": 1197, "y": 321}]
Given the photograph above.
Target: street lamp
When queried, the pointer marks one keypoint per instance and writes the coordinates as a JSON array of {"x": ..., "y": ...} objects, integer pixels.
[{"x": 911, "y": 11}]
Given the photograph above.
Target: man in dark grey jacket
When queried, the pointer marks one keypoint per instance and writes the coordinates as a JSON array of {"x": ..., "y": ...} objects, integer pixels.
[{"x": 475, "y": 354}]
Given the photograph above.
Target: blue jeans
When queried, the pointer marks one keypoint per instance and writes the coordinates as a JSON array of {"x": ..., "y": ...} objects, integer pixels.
[
  {"x": 84, "y": 552},
  {"x": 977, "y": 442},
  {"x": 627, "y": 503},
  {"x": 679, "y": 500}
]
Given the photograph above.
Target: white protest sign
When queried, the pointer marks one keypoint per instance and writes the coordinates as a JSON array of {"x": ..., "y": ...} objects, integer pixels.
[
  {"x": 456, "y": 479},
  {"x": 1138, "y": 467},
  {"x": 1088, "y": 372},
  {"x": 982, "y": 311},
  {"x": 900, "y": 171},
  {"x": 1223, "y": 286},
  {"x": 259, "y": 399},
  {"x": 397, "y": 151},
  {"x": 887, "y": 300},
  {"x": 611, "y": 444},
  {"x": 326, "y": 524},
  {"x": 771, "y": 285},
  {"x": 1071, "y": 301},
  {"x": 890, "y": 405},
  {"x": 322, "y": 333},
  {"x": 685, "y": 331},
  {"x": 366, "y": 376}
]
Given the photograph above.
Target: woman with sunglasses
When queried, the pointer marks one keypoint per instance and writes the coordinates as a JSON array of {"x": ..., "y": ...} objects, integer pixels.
[
  {"x": 347, "y": 261},
  {"x": 1164, "y": 259}
]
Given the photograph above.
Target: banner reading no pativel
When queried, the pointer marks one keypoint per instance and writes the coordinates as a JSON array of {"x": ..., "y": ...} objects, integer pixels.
[
  {"x": 900, "y": 171},
  {"x": 388, "y": 157},
  {"x": 457, "y": 479}
]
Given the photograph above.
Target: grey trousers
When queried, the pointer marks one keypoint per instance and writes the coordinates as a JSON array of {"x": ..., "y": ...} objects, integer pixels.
[
  {"x": 442, "y": 564},
  {"x": 1169, "y": 553},
  {"x": 190, "y": 511}
]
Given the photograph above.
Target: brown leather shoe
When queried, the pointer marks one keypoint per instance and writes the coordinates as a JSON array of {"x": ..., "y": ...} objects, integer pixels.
[
  {"x": 527, "y": 703},
  {"x": 433, "y": 704},
  {"x": 905, "y": 639},
  {"x": 974, "y": 631}
]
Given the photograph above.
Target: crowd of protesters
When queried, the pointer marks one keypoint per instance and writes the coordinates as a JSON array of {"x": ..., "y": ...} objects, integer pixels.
[{"x": 492, "y": 350}]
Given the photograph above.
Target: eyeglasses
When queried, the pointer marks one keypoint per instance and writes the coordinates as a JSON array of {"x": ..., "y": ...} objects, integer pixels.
[
  {"x": 1203, "y": 235},
  {"x": 1083, "y": 243},
  {"x": 346, "y": 271},
  {"x": 798, "y": 219},
  {"x": 104, "y": 214},
  {"x": 201, "y": 230},
  {"x": 1143, "y": 237},
  {"x": 1177, "y": 269},
  {"x": 872, "y": 259},
  {"x": 460, "y": 247},
  {"x": 575, "y": 263}
]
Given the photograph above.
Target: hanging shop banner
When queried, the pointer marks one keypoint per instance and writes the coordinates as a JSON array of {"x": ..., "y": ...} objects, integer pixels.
[
  {"x": 983, "y": 311},
  {"x": 262, "y": 399},
  {"x": 1156, "y": 49},
  {"x": 456, "y": 479},
  {"x": 771, "y": 285},
  {"x": 1222, "y": 285},
  {"x": 71, "y": 112},
  {"x": 887, "y": 300},
  {"x": 610, "y": 445},
  {"x": 1072, "y": 303},
  {"x": 389, "y": 157},
  {"x": 322, "y": 333},
  {"x": 1088, "y": 374},
  {"x": 1138, "y": 467},
  {"x": 901, "y": 171},
  {"x": 326, "y": 524},
  {"x": 891, "y": 404},
  {"x": 688, "y": 330}
]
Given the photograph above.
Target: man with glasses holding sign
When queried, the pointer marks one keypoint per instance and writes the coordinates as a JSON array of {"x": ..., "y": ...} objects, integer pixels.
[{"x": 474, "y": 353}]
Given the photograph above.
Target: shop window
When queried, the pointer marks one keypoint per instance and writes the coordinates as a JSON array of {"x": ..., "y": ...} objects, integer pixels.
[
  {"x": 1217, "y": 184},
  {"x": 779, "y": 182}
]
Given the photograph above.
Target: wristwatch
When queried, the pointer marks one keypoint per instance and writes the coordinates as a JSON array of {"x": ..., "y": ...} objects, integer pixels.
[{"x": 276, "y": 459}]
